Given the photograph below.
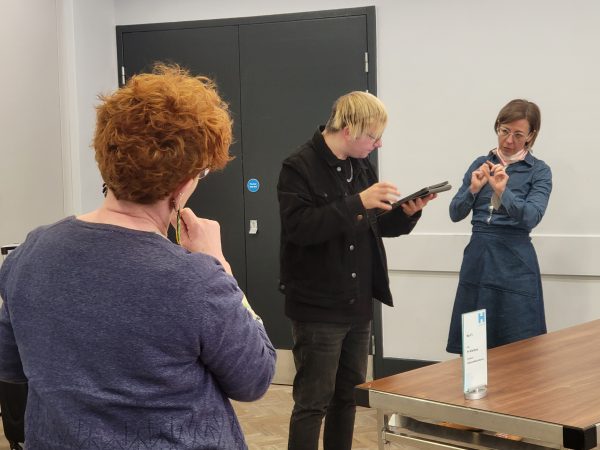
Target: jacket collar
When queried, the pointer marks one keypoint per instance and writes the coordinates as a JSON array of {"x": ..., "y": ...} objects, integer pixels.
[{"x": 325, "y": 152}]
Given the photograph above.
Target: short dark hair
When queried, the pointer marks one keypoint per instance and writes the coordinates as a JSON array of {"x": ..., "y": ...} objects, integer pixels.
[{"x": 521, "y": 109}]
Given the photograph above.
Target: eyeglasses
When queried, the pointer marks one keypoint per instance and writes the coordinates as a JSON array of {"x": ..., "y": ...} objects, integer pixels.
[
  {"x": 203, "y": 173},
  {"x": 504, "y": 132},
  {"x": 373, "y": 138}
]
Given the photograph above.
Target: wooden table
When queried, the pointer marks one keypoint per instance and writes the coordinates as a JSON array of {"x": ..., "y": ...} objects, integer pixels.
[{"x": 545, "y": 389}]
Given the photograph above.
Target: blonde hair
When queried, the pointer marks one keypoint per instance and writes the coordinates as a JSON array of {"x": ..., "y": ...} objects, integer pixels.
[
  {"x": 359, "y": 111},
  {"x": 158, "y": 131}
]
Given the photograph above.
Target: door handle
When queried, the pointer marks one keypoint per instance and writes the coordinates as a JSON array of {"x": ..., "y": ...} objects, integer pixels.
[{"x": 253, "y": 229}]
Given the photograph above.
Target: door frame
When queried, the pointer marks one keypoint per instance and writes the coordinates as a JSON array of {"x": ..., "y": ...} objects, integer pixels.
[{"x": 381, "y": 366}]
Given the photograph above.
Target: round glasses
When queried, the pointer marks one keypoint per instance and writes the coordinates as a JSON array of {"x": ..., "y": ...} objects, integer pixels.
[{"x": 504, "y": 132}]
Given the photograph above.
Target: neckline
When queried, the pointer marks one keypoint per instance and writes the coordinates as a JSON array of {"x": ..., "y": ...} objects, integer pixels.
[{"x": 114, "y": 227}]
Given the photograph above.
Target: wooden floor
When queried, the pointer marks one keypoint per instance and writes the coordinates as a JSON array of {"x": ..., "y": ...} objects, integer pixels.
[{"x": 266, "y": 422}]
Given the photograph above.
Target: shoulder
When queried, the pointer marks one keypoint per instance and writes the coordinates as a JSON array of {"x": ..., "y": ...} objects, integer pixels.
[
  {"x": 42, "y": 237},
  {"x": 541, "y": 164},
  {"x": 304, "y": 164},
  {"x": 541, "y": 170},
  {"x": 194, "y": 286},
  {"x": 303, "y": 155},
  {"x": 45, "y": 232},
  {"x": 203, "y": 273},
  {"x": 480, "y": 160}
]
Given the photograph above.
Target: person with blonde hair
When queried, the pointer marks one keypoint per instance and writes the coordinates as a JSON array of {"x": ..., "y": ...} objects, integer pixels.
[
  {"x": 333, "y": 263},
  {"x": 126, "y": 339}
]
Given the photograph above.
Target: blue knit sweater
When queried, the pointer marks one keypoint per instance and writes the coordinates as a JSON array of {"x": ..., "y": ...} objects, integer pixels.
[{"x": 127, "y": 341}]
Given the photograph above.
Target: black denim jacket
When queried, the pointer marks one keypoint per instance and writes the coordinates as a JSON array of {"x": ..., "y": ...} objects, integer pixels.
[{"x": 319, "y": 223}]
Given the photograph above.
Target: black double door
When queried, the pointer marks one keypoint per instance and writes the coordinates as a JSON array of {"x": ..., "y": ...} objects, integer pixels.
[{"x": 280, "y": 76}]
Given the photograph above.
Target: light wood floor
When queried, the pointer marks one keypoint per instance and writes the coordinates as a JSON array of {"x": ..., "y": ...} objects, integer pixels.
[{"x": 266, "y": 422}]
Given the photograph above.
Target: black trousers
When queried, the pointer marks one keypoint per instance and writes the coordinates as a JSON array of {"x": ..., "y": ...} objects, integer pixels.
[{"x": 330, "y": 359}]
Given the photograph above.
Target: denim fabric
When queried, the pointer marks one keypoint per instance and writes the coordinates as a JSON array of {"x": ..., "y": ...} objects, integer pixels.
[
  {"x": 331, "y": 359},
  {"x": 500, "y": 273},
  {"x": 500, "y": 270},
  {"x": 524, "y": 201}
]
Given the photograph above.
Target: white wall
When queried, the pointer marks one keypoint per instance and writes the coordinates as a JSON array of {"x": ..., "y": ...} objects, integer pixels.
[
  {"x": 57, "y": 56},
  {"x": 444, "y": 73},
  {"x": 444, "y": 67},
  {"x": 31, "y": 178},
  {"x": 96, "y": 67},
  {"x": 444, "y": 70}
]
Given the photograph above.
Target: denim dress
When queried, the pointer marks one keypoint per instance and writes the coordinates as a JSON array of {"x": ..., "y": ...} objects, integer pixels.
[{"x": 500, "y": 271}]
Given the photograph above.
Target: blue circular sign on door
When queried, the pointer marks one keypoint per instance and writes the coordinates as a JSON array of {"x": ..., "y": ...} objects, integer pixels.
[{"x": 253, "y": 185}]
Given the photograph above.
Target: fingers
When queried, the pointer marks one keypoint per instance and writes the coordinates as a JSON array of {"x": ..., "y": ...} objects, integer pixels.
[
  {"x": 379, "y": 195},
  {"x": 388, "y": 191},
  {"x": 480, "y": 175},
  {"x": 485, "y": 170},
  {"x": 498, "y": 174},
  {"x": 490, "y": 168},
  {"x": 187, "y": 216},
  {"x": 413, "y": 206},
  {"x": 427, "y": 199},
  {"x": 188, "y": 221}
]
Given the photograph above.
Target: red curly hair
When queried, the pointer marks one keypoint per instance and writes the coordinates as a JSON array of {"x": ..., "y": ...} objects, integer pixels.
[{"x": 158, "y": 131}]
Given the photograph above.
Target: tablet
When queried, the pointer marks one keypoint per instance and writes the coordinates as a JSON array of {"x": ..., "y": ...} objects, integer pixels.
[{"x": 433, "y": 189}]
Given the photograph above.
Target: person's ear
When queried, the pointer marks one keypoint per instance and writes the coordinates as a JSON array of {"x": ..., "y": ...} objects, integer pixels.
[
  {"x": 528, "y": 141},
  {"x": 347, "y": 133},
  {"x": 186, "y": 187}
]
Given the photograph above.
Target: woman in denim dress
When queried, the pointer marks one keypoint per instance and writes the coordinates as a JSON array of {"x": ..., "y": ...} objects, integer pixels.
[{"x": 508, "y": 191}]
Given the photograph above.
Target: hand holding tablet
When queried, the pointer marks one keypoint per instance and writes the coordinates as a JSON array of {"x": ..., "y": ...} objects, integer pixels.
[{"x": 421, "y": 193}]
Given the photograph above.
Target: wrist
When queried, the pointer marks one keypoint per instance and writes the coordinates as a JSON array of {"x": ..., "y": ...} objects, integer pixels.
[{"x": 362, "y": 200}]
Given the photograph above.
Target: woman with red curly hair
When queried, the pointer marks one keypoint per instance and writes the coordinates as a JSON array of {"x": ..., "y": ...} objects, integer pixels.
[{"x": 126, "y": 339}]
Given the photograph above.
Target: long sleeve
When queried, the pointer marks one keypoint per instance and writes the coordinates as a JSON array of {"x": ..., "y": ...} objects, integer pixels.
[
  {"x": 234, "y": 346},
  {"x": 529, "y": 210},
  {"x": 11, "y": 369},
  {"x": 396, "y": 223},
  {"x": 462, "y": 203},
  {"x": 523, "y": 202}
]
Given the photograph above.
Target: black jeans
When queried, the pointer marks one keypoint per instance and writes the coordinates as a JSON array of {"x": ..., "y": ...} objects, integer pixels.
[{"x": 331, "y": 359}]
